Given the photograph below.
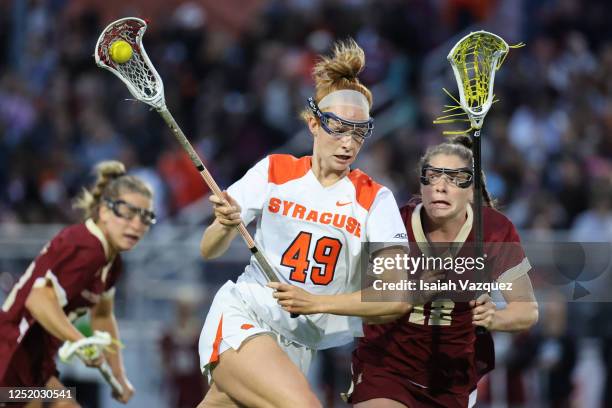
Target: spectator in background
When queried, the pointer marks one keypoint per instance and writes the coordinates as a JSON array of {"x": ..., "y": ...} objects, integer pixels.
[
  {"x": 557, "y": 353},
  {"x": 595, "y": 225},
  {"x": 179, "y": 348},
  {"x": 51, "y": 95},
  {"x": 185, "y": 184},
  {"x": 604, "y": 333}
]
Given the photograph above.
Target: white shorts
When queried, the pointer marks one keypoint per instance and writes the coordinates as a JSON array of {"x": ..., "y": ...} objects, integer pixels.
[{"x": 230, "y": 322}]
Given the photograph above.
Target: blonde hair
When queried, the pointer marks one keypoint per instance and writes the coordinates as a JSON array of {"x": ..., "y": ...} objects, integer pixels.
[
  {"x": 111, "y": 181},
  {"x": 339, "y": 72}
]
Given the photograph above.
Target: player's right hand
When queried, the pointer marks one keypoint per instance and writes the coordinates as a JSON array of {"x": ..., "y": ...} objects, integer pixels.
[
  {"x": 296, "y": 300},
  {"x": 227, "y": 213}
]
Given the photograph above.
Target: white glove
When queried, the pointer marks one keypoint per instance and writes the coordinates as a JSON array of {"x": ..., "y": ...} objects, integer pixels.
[{"x": 88, "y": 349}]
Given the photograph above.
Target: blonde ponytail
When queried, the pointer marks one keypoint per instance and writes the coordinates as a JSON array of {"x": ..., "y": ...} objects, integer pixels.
[
  {"x": 340, "y": 71},
  {"x": 111, "y": 180}
]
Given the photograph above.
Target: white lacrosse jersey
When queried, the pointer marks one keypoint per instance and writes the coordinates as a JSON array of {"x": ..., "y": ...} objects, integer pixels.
[{"x": 313, "y": 236}]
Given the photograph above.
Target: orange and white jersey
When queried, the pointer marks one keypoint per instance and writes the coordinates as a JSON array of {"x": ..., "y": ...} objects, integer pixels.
[{"x": 313, "y": 235}]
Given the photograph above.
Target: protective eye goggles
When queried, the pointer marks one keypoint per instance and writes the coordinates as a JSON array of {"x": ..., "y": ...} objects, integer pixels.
[
  {"x": 461, "y": 177},
  {"x": 336, "y": 126},
  {"x": 128, "y": 211}
]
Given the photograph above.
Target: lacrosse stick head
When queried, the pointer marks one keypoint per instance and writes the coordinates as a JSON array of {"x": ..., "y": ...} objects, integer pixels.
[
  {"x": 138, "y": 73},
  {"x": 474, "y": 59}
]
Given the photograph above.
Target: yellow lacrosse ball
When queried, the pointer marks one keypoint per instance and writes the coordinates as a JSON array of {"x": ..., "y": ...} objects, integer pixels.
[{"x": 120, "y": 51}]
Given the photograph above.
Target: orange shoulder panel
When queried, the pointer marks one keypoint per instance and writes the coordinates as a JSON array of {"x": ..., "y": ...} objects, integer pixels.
[
  {"x": 366, "y": 188},
  {"x": 284, "y": 168}
]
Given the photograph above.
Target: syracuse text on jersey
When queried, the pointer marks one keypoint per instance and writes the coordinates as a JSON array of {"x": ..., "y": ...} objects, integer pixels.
[{"x": 295, "y": 210}]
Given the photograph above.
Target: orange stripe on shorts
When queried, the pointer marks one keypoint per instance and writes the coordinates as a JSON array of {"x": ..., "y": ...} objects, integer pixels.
[{"x": 214, "y": 357}]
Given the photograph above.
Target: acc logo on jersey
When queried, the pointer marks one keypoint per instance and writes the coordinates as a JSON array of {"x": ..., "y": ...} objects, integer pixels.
[{"x": 401, "y": 235}]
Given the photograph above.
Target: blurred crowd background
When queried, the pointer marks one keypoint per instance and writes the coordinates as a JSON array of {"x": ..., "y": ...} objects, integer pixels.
[{"x": 236, "y": 75}]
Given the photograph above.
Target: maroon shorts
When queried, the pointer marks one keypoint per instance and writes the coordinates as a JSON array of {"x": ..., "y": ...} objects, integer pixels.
[{"x": 370, "y": 382}]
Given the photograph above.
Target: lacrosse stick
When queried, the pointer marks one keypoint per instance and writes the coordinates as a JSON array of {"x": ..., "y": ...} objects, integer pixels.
[
  {"x": 474, "y": 59},
  {"x": 88, "y": 349},
  {"x": 145, "y": 84}
]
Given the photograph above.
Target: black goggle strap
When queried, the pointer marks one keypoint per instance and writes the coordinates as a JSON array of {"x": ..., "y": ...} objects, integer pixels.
[
  {"x": 324, "y": 118},
  {"x": 450, "y": 172}
]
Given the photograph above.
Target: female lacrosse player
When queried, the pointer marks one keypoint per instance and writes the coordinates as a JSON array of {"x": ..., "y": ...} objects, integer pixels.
[
  {"x": 431, "y": 357},
  {"x": 74, "y": 273},
  {"x": 314, "y": 213}
]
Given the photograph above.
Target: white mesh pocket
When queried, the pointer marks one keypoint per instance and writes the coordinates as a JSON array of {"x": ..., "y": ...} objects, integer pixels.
[{"x": 141, "y": 78}]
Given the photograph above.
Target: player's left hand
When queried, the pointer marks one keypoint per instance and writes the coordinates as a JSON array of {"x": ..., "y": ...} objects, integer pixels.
[
  {"x": 128, "y": 390},
  {"x": 91, "y": 355},
  {"x": 93, "y": 362},
  {"x": 294, "y": 299},
  {"x": 483, "y": 311}
]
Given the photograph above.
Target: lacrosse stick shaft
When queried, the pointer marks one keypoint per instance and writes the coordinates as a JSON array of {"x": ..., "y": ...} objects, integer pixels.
[
  {"x": 476, "y": 151},
  {"x": 107, "y": 373},
  {"x": 478, "y": 227},
  {"x": 210, "y": 182}
]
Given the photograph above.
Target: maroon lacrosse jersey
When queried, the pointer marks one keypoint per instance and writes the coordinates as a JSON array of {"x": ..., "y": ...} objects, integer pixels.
[
  {"x": 434, "y": 346},
  {"x": 76, "y": 263}
]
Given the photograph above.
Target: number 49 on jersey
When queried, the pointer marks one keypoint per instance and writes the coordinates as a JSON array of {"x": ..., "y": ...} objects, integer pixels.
[{"x": 325, "y": 256}]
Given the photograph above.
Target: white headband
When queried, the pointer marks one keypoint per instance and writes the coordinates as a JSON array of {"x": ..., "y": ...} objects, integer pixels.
[{"x": 345, "y": 97}]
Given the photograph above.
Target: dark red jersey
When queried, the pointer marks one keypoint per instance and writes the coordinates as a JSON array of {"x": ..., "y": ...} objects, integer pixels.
[
  {"x": 433, "y": 347},
  {"x": 77, "y": 265}
]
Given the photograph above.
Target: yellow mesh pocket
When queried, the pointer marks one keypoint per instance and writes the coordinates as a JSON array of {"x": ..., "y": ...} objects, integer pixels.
[{"x": 474, "y": 59}]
